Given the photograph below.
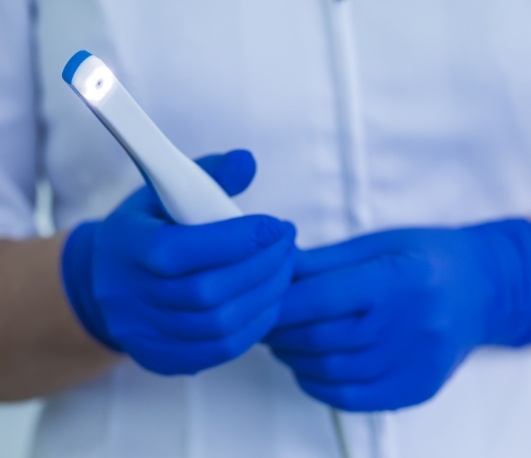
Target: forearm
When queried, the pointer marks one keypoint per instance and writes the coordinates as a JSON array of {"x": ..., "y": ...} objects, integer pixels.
[{"x": 43, "y": 348}]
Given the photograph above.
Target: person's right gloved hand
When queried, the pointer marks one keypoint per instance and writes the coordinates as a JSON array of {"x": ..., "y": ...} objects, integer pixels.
[{"x": 180, "y": 299}]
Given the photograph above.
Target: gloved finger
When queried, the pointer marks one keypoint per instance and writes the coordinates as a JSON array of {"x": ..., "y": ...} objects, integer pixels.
[
  {"x": 399, "y": 389},
  {"x": 142, "y": 207},
  {"x": 235, "y": 314},
  {"x": 362, "y": 366},
  {"x": 169, "y": 356},
  {"x": 358, "y": 250},
  {"x": 210, "y": 288},
  {"x": 173, "y": 251},
  {"x": 352, "y": 332},
  {"x": 227, "y": 319},
  {"x": 233, "y": 171},
  {"x": 350, "y": 290}
]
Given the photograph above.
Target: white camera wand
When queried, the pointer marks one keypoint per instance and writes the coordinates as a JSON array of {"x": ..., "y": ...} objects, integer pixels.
[{"x": 188, "y": 194}]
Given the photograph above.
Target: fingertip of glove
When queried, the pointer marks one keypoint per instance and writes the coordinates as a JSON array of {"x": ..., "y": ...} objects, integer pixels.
[
  {"x": 239, "y": 168},
  {"x": 269, "y": 230},
  {"x": 243, "y": 159},
  {"x": 289, "y": 229}
]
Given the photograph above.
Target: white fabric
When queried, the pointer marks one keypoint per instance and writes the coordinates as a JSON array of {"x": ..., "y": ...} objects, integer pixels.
[
  {"x": 18, "y": 124},
  {"x": 362, "y": 115}
]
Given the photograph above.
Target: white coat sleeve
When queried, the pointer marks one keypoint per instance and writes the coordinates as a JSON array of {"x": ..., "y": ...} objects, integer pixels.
[{"x": 18, "y": 121}]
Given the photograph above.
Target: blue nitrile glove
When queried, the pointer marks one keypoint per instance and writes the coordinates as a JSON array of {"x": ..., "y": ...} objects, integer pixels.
[
  {"x": 382, "y": 321},
  {"x": 179, "y": 299}
]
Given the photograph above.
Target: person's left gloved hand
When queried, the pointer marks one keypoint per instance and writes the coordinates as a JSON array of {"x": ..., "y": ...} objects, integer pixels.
[{"x": 381, "y": 322}]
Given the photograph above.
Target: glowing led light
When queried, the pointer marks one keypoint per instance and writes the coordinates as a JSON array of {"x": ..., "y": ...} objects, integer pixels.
[{"x": 98, "y": 84}]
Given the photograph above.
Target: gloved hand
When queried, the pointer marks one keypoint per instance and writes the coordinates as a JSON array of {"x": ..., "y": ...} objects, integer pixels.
[
  {"x": 382, "y": 321},
  {"x": 179, "y": 299}
]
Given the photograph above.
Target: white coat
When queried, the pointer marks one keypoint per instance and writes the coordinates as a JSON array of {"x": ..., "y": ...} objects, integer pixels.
[{"x": 361, "y": 114}]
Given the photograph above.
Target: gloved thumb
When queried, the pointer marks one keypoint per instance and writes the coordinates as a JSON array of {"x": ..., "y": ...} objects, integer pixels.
[{"x": 233, "y": 171}]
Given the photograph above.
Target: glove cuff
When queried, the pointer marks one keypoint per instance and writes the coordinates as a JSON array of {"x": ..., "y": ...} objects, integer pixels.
[
  {"x": 509, "y": 241},
  {"x": 76, "y": 272}
]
